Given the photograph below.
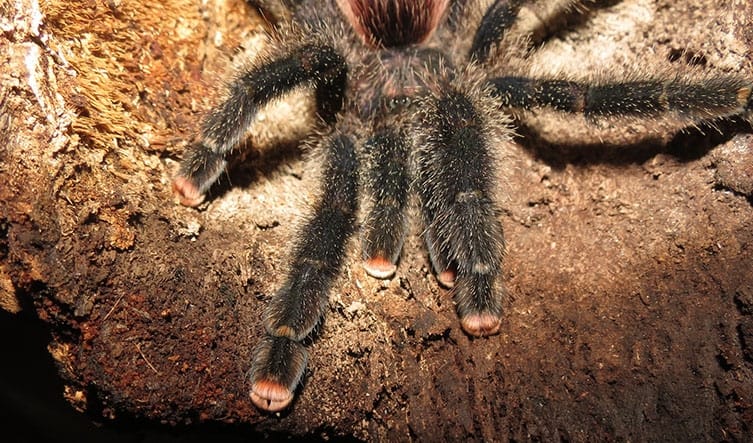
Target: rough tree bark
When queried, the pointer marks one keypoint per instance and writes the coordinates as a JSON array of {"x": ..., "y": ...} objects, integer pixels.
[{"x": 630, "y": 309}]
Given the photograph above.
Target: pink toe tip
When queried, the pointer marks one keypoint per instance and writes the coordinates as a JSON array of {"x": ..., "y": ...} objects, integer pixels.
[
  {"x": 270, "y": 395},
  {"x": 481, "y": 325},
  {"x": 446, "y": 278},
  {"x": 379, "y": 267},
  {"x": 186, "y": 192}
]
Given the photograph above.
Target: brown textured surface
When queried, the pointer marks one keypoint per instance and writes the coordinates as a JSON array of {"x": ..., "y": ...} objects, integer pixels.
[{"x": 630, "y": 308}]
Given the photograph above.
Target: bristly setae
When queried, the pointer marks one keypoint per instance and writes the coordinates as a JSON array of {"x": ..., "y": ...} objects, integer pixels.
[{"x": 415, "y": 98}]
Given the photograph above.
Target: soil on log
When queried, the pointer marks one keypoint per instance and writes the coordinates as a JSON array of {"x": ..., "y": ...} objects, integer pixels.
[{"x": 629, "y": 313}]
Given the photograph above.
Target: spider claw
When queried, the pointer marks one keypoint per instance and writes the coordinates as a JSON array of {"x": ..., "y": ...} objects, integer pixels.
[
  {"x": 481, "y": 324},
  {"x": 270, "y": 395},
  {"x": 379, "y": 267},
  {"x": 186, "y": 192}
]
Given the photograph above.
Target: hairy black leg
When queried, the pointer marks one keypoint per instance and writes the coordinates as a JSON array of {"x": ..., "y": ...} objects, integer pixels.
[
  {"x": 311, "y": 64},
  {"x": 299, "y": 305},
  {"x": 527, "y": 21},
  {"x": 386, "y": 183},
  {"x": 455, "y": 178},
  {"x": 278, "y": 366},
  {"x": 688, "y": 100},
  {"x": 541, "y": 18},
  {"x": 497, "y": 19},
  {"x": 445, "y": 270}
]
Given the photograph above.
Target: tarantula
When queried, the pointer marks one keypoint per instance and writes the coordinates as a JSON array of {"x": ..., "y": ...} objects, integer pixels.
[{"x": 414, "y": 98}]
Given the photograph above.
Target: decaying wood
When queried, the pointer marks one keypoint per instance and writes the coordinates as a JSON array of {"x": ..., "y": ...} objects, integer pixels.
[{"x": 630, "y": 313}]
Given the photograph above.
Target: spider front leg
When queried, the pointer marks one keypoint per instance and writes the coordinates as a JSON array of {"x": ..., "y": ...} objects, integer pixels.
[
  {"x": 455, "y": 180},
  {"x": 298, "y": 307},
  {"x": 387, "y": 183},
  {"x": 316, "y": 64}
]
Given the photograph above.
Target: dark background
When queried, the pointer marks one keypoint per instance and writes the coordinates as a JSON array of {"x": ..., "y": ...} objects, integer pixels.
[{"x": 32, "y": 407}]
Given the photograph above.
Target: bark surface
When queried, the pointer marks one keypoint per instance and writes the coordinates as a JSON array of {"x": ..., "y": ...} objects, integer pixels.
[{"x": 630, "y": 308}]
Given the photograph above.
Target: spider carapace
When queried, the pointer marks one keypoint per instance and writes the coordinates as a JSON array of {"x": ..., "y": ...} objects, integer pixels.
[{"x": 414, "y": 99}]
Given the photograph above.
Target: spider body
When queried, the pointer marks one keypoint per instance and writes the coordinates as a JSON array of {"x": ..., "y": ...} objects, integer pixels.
[{"x": 414, "y": 98}]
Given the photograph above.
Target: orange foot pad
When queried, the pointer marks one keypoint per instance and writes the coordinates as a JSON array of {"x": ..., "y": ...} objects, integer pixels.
[
  {"x": 379, "y": 267},
  {"x": 270, "y": 395},
  {"x": 480, "y": 325},
  {"x": 446, "y": 278},
  {"x": 186, "y": 192}
]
